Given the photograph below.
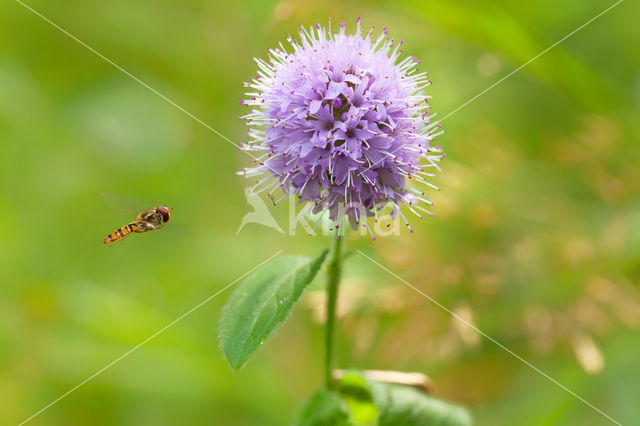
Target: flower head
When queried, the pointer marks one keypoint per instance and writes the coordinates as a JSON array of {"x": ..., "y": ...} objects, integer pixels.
[{"x": 340, "y": 122}]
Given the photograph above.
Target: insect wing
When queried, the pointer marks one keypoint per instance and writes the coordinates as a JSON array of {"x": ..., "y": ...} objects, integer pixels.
[{"x": 124, "y": 205}]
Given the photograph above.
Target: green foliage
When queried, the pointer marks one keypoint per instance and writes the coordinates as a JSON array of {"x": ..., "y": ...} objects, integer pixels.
[
  {"x": 356, "y": 392},
  {"x": 364, "y": 402},
  {"x": 263, "y": 300},
  {"x": 322, "y": 409},
  {"x": 403, "y": 405}
]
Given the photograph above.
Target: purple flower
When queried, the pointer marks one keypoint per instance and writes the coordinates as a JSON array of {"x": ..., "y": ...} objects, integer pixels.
[{"x": 342, "y": 123}]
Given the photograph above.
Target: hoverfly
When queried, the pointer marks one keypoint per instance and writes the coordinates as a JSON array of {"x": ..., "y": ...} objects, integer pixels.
[{"x": 148, "y": 220}]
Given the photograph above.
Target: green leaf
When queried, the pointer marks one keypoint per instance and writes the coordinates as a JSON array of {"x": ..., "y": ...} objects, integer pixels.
[
  {"x": 403, "y": 405},
  {"x": 356, "y": 392},
  {"x": 264, "y": 299},
  {"x": 324, "y": 408},
  {"x": 363, "y": 402}
]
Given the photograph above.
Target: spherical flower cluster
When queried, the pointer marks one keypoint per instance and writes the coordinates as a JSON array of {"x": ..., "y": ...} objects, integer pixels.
[{"x": 340, "y": 122}]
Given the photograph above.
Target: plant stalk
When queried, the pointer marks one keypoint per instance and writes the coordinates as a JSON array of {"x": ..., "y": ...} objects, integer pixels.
[{"x": 334, "y": 270}]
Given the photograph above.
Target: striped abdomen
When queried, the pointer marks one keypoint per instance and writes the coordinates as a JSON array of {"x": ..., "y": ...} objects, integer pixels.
[{"x": 123, "y": 232}]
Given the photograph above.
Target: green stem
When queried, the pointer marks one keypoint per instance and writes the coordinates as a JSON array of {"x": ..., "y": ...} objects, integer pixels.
[{"x": 334, "y": 270}]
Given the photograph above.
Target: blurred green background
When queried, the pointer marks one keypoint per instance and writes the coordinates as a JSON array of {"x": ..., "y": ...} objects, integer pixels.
[{"x": 535, "y": 239}]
